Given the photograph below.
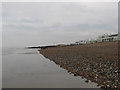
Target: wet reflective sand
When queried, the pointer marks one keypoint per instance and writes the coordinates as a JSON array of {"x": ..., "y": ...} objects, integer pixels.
[{"x": 25, "y": 68}]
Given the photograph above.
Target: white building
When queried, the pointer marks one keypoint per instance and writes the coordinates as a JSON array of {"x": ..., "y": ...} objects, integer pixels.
[
  {"x": 107, "y": 38},
  {"x": 103, "y": 38}
]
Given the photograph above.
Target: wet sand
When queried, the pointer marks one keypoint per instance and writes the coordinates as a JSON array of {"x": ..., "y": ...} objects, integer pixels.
[
  {"x": 26, "y": 68},
  {"x": 97, "y": 62}
]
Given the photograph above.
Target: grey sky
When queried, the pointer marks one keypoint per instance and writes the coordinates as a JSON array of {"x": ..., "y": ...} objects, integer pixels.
[
  {"x": 32, "y": 24},
  {"x": 0, "y": 25}
]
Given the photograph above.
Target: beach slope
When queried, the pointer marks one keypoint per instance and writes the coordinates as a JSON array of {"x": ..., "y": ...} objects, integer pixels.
[{"x": 97, "y": 62}]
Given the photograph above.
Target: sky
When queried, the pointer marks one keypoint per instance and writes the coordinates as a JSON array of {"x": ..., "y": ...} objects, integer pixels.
[
  {"x": 33, "y": 24},
  {"x": 60, "y": 0},
  {"x": 0, "y": 26}
]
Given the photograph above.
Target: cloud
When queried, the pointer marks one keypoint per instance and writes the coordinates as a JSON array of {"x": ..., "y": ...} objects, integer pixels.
[{"x": 58, "y": 22}]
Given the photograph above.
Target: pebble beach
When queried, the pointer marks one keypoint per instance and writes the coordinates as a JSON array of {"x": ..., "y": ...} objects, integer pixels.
[{"x": 96, "y": 62}]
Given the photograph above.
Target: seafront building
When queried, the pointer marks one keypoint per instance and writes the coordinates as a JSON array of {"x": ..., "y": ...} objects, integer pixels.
[
  {"x": 103, "y": 38},
  {"x": 107, "y": 38}
]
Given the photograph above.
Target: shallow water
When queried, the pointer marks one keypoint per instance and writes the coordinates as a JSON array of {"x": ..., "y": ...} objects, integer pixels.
[{"x": 27, "y": 68}]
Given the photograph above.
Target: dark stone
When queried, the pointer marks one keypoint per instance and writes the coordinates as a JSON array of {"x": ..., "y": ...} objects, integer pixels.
[
  {"x": 82, "y": 77},
  {"x": 86, "y": 81}
]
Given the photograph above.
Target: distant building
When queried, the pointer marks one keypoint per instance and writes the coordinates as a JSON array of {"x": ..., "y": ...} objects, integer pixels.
[
  {"x": 107, "y": 38},
  {"x": 81, "y": 42},
  {"x": 103, "y": 38}
]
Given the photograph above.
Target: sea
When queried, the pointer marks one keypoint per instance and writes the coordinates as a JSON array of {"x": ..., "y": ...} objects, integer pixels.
[{"x": 27, "y": 68}]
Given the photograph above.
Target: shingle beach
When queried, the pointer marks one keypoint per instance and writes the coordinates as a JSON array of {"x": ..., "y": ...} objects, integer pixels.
[{"x": 96, "y": 62}]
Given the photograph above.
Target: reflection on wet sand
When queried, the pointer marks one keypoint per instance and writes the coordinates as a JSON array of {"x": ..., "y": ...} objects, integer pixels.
[{"x": 33, "y": 70}]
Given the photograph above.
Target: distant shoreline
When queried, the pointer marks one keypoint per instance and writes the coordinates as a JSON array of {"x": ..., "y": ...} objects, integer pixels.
[{"x": 97, "y": 62}]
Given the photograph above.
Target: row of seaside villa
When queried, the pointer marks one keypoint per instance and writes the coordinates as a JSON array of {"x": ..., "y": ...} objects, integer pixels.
[{"x": 103, "y": 38}]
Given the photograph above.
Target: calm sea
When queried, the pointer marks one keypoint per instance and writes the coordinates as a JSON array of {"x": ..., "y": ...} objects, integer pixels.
[{"x": 27, "y": 68}]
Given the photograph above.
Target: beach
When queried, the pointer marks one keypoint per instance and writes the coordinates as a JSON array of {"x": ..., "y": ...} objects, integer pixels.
[
  {"x": 96, "y": 62},
  {"x": 27, "y": 68}
]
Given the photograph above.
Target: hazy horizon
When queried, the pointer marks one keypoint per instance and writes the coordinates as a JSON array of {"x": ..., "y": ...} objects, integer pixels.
[{"x": 33, "y": 24}]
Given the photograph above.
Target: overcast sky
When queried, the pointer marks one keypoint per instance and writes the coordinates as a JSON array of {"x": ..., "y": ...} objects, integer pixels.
[{"x": 32, "y": 24}]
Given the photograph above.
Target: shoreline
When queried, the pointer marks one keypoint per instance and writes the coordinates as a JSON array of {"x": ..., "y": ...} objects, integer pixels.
[{"x": 96, "y": 62}]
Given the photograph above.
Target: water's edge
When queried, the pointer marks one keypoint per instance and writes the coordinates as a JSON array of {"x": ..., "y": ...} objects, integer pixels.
[{"x": 24, "y": 68}]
